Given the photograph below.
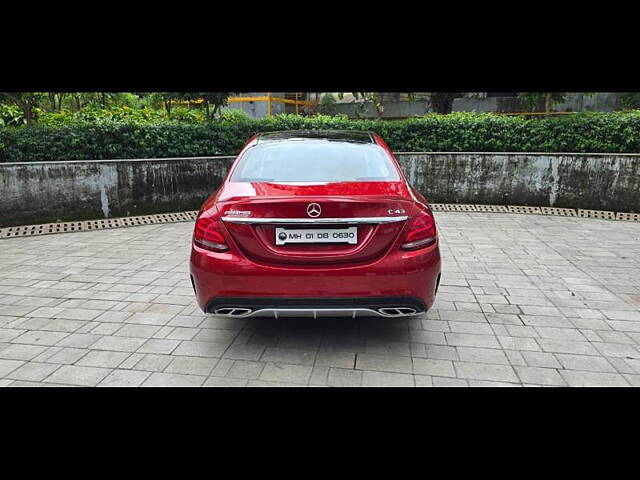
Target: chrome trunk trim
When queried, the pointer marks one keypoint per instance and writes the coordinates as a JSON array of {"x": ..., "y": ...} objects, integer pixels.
[{"x": 309, "y": 221}]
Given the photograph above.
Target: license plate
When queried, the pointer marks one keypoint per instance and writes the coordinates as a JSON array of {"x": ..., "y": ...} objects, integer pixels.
[{"x": 317, "y": 235}]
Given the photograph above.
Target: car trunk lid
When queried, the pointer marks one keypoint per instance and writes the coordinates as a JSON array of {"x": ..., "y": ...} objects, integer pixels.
[{"x": 375, "y": 212}]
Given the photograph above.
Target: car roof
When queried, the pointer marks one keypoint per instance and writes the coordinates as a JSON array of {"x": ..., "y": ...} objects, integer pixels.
[{"x": 350, "y": 136}]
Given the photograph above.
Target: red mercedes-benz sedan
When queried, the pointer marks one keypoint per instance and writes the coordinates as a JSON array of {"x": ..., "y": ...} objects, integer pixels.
[{"x": 315, "y": 223}]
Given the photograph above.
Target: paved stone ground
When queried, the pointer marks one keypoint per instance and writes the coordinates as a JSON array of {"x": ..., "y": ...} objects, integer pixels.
[{"x": 524, "y": 300}]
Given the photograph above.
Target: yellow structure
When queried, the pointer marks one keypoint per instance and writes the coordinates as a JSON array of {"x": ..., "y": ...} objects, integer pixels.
[{"x": 270, "y": 99}]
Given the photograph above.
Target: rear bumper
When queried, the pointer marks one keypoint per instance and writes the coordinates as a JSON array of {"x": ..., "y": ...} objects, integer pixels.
[
  {"x": 399, "y": 279},
  {"x": 386, "y": 307}
]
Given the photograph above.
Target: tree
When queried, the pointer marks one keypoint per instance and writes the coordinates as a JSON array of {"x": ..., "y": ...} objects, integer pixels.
[
  {"x": 545, "y": 100},
  {"x": 55, "y": 101},
  {"x": 212, "y": 101},
  {"x": 375, "y": 99},
  {"x": 327, "y": 105},
  {"x": 26, "y": 101},
  {"x": 629, "y": 100},
  {"x": 542, "y": 100},
  {"x": 442, "y": 102}
]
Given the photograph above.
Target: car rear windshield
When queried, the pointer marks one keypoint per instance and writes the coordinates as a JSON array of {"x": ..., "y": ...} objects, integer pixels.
[{"x": 321, "y": 161}]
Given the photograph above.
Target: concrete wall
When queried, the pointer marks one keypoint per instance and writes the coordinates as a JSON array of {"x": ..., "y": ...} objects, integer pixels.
[
  {"x": 589, "y": 181},
  {"x": 42, "y": 192}
]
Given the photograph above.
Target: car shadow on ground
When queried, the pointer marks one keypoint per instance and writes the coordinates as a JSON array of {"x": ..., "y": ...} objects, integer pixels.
[{"x": 326, "y": 333}]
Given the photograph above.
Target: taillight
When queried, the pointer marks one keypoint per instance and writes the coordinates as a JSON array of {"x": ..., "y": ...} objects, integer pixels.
[
  {"x": 208, "y": 234},
  {"x": 422, "y": 232}
]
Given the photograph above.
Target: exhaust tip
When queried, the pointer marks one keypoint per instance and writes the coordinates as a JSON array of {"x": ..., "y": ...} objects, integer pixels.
[
  {"x": 232, "y": 311},
  {"x": 397, "y": 311}
]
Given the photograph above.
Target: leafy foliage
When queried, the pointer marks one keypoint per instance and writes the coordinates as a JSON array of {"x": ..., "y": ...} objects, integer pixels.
[
  {"x": 327, "y": 104},
  {"x": 149, "y": 137},
  {"x": 545, "y": 101},
  {"x": 11, "y": 116},
  {"x": 630, "y": 100}
]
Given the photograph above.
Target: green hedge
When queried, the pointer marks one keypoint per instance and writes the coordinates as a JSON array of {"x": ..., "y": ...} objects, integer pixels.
[{"x": 458, "y": 132}]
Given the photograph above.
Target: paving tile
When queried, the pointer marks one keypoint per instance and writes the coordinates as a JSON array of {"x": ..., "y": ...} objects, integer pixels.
[
  {"x": 173, "y": 380},
  {"x": 438, "y": 352},
  {"x": 515, "y": 357},
  {"x": 131, "y": 361},
  {"x": 633, "y": 379},
  {"x": 281, "y": 372},
  {"x": 191, "y": 365},
  {"x": 21, "y": 352},
  {"x": 113, "y": 316},
  {"x": 427, "y": 337},
  {"x": 474, "y": 328},
  {"x": 540, "y": 359},
  {"x": 489, "y": 383},
  {"x": 617, "y": 350},
  {"x": 386, "y": 379},
  {"x": 587, "y": 363},
  {"x": 79, "y": 340},
  {"x": 449, "y": 382},
  {"x": 326, "y": 358},
  {"x": 288, "y": 355},
  {"x": 118, "y": 344},
  {"x": 40, "y": 337},
  {"x": 200, "y": 349},
  {"x": 46, "y": 312},
  {"x": 75, "y": 375},
  {"x": 479, "y": 371},
  {"x": 222, "y": 367},
  {"x": 576, "y": 378},
  {"x": 472, "y": 340},
  {"x": 8, "y": 366},
  {"x": 149, "y": 318},
  {"x": 427, "y": 366},
  {"x": 482, "y": 355},
  {"x": 153, "y": 362},
  {"x": 518, "y": 343},
  {"x": 155, "y": 345},
  {"x": 63, "y": 355},
  {"x": 124, "y": 378},
  {"x": 98, "y": 358},
  {"x": 246, "y": 369},
  {"x": 225, "y": 382},
  {"x": 344, "y": 377},
  {"x": 318, "y": 376},
  {"x": 216, "y": 336},
  {"x": 539, "y": 376},
  {"x": 181, "y": 333},
  {"x": 382, "y": 347},
  {"x": 8, "y": 334},
  {"x": 565, "y": 346},
  {"x": 33, "y": 371},
  {"x": 105, "y": 329},
  {"x": 571, "y": 334},
  {"x": 384, "y": 363},
  {"x": 61, "y": 325},
  {"x": 77, "y": 314},
  {"x": 244, "y": 352},
  {"x": 140, "y": 331}
]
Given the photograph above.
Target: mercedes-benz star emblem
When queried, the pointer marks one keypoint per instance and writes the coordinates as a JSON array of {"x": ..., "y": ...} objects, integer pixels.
[{"x": 313, "y": 210}]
